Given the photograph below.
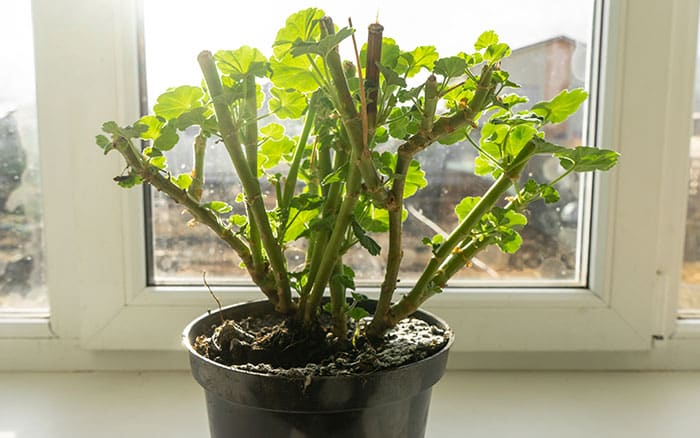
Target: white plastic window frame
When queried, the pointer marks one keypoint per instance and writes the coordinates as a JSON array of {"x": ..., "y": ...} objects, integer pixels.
[{"x": 87, "y": 72}]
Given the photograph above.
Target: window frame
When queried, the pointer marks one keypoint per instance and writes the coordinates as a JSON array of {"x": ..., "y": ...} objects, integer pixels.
[{"x": 97, "y": 291}]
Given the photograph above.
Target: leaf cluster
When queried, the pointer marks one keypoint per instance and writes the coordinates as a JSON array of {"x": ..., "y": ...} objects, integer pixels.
[{"x": 340, "y": 180}]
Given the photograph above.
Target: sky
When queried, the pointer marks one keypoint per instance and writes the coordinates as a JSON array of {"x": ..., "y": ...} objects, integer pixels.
[
  {"x": 175, "y": 32},
  {"x": 16, "y": 54}
]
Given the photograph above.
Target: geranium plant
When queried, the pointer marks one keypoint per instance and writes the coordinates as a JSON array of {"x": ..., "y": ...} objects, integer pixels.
[{"x": 344, "y": 178}]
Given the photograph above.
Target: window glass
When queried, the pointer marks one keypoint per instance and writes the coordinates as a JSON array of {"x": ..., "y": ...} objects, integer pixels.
[
  {"x": 22, "y": 282},
  {"x": 551, "y": 41},
  {"x": 689, "y": 297}
]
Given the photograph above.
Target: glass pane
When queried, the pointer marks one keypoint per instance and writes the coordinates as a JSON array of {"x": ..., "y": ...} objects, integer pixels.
[
  {"x": 22, "y": 282},
  {"x": 689, "y": 298},
  {"x": 551, "y": 53}
]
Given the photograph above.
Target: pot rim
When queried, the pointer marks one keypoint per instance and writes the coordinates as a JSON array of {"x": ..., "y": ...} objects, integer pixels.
[{"x": 188, "y": 344}]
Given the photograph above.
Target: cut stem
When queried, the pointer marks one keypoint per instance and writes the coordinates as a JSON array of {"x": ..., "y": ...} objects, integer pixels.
[
  {"x": 352, "y": 121},
  {"x": 200, "y": 149}
]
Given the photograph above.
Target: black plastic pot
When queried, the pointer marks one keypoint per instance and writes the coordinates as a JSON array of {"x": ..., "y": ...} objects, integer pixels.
[{"x": 387, "y": 404}]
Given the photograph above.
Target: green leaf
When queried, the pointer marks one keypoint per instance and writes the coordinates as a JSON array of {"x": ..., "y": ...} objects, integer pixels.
[
  {"x": 496, "y": 52},
  {"x": 346, "y": 278},
  {"x": 454, "y": 137},
  {"x": 451, "y": 67},
  {"x": 103, "y": 142},
  {"x": 153, "y": 124},
  {"x": 390, "y": 76},
  {"x": 518, "y": 137},
  {"x": 405, "y": 95},
  {"x": 184, "y": 180},
  {"x": 381, "y": 135},
  {"x": 218, "y": 206},
  {"x": 344, "y": 281},
  {"x": 357, "y": 313},
  {"x": 471, "y": 59},
  {"x": 493, "y": 133},
  {"x": 484, "y": 165},
  {"x": 549, "y": 194},
  {"x": 465, "y": 206},
  {"x": 367, "y": 242},
  {"x": 336, "y": 176},
  {"x": 419, "y": 58},
  {"x": 272, "y": 151},
  {"x": 404, "y": 122},
  {"x": 356, "y": 296},
  {"x": 238, "y": 220},
  {"x": 168, "y": 137},
  {"x": 159, "y": 162},
  {"x": 273, "y": 130},
  {"x": 302, "y": 25},
  {"x": 486, "y": 39},
  {"x": 200, "y": 116},
  {"x": 128, "y": 181},
  {"x": 307, "y": 201},
  {"x": 435, "y": 242},
  {"x": 545, "y": 147},
  {"x": 242, "y": 62},
  {"x": 322, "y": 47},
  {"x": 510, "y": 100},
  {"x": 502, "y": 77},
  {"x": 127, "y": 132},
  {"x": 293, "y": 73},
  {"x": 562, "y": 106},
  {"x": 176, "y": 101},
  {"x": 376, "y": 220},
  {"x": 287, "y": 104},
  {"x": 300, "y": 222},
  {"x": 415, "y": 176},
  {"x": 513, "y": 219},
  {"x": 415, "y": 179},
  {"x": 580, "y": 158},
  {"x": 587, "y": 159},
  {"x": 152, "y": 152},
  {"x": 509, "y": 241}
]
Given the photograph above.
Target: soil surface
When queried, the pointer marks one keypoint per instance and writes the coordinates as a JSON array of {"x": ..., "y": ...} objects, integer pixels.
[{"x": 276, "y": 345}]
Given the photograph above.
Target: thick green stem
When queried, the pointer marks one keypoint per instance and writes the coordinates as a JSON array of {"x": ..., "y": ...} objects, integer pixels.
[
  {"x": 459, "y": 258},
  {"x": 447, "y": 125},
  {"x": 426, "y": 286},
  {"x": 250, "y": 112},
  {"x": 429, "y": 133},
  {"x": 470, "y": 247},
  {"x": 395, "y": 253},
  {"x": 291, "y": 182},
  {"x": 338, "y": 301},
  {"x": 429, "y": 103},
  {"x": 251, "y": 185},
  {"x": 202, "y": 215},
  {"x": 330, "y": 251},
  {"x": 200, "y": 149},
  {"x": 374, "y": 56},
  {"x": 353, "y": 122},
  {"x": 330, "y": 209}
]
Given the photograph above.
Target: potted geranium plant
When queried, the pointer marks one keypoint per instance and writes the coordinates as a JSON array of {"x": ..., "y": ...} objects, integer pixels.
[{"x": 340, "y": 366}]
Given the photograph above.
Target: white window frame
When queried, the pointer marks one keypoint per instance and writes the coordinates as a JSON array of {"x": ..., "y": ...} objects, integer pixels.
[{"x": 87, "y": 72}]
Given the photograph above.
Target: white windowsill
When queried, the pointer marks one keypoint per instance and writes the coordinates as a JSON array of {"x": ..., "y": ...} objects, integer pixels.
[
  {"x": 477, "y": 404},
  {"x": 26, "y": 328}
]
